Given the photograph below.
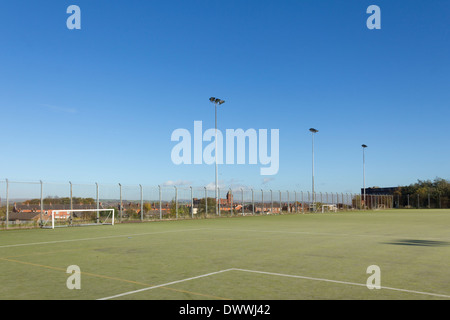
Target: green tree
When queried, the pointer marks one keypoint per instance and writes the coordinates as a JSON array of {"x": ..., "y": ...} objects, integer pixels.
[
  {"x": 418, "y": 193},
  {"x": 210, "y": 203}
]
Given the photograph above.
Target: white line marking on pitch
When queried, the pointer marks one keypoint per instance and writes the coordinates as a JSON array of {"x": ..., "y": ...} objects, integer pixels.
[
  {"x": 318, "y": 233},
  {"x": 163, "y": 285},
  {"x": 342, "y": 282},
  {"x": 273, "y": 274},
  {"x": 94, "y": 238}
]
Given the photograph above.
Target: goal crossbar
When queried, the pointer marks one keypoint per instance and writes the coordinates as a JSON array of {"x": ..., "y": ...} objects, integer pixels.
[{"x": 79, "y": 217}]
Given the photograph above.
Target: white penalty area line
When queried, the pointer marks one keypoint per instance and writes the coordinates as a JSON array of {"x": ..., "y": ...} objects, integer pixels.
[{"x": 273, "y": 274}]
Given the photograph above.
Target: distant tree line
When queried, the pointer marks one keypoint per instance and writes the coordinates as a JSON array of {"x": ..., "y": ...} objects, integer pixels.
[
  {"x": 57, "y": 200},
  {"x": 434, "y": 193}
]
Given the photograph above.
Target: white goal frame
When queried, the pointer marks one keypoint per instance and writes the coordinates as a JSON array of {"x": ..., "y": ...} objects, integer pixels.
[
  {"x": 70, "y": 212},
  {"x": 330, "y": 207}
]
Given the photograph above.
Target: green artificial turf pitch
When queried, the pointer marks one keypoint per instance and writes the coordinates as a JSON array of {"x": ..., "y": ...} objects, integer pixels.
[{"x": 281, "y": 257}]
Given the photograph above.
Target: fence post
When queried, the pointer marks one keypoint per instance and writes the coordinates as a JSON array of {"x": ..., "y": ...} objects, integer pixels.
[
  {"x": 351, "y": 201},
  {"x": 160, "y": 204},
  {"x": 337, "y": 200},
  {"x": 192, "y": 203},
  {"x": 42, "y": 200},
  {"x": 142, "y": 202},
  {"x": 231, "y": 197},
  {"x": 354, "y": 207},
  {"x": 281, "y": 206},
  {"x": 347, "y": 201},
  {"x": 295, "y": 199},
  {"x": 303, "y": 203},
  {"x": 288, "y": 202},
  {"x": 253, "y": 204},
  {"x": 242, "y": 194},
  {"x": 262, "y": 200},
  {"x": 7, "y": 203},
  {"x": 309, "y": 202},
  {"x": 98, "y": 203},
  {"x": 71, "y": 202},
  {"x": 176, "y": 202},
  {"x": 218, "y": 199},
  {"x": 360, "y": 196},
  {"x": 121, "y": 202},
  {"x": 271, "y": 202},
  {"x": 206, "y": 202}
]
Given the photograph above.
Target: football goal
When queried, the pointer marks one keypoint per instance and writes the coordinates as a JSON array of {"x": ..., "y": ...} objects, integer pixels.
[
  {"x": 329, "y": 208},
  {"x": 77, "y": 218}
]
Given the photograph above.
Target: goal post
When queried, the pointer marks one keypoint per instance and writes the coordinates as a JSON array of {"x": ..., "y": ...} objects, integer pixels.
[
  {"x": 78, "y": 218},
  {"x": 329, "y": 208}
]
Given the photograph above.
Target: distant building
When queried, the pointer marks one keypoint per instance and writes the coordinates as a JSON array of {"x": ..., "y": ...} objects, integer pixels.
[
  {"x": 378, "y": 197},
  {"x": 379, "y": 191},
  {"x": 228, "y": 201}
]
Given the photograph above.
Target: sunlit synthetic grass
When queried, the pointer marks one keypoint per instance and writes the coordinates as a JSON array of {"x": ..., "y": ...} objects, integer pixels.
[{"x": 304, "y": 256}]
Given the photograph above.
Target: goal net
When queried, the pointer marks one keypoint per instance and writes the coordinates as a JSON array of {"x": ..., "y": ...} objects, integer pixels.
[{"x": 77, "y": 218}]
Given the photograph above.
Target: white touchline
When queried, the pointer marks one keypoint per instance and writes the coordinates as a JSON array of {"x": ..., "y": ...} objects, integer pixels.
[
  {"x": 273, "y": 274},
  {"x": 163, "y": 285}
]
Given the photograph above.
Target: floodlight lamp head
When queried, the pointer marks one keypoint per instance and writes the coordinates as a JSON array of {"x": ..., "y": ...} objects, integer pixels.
[
  {"x": 364, "y": 146},
  {"x": 313, "y": 130},
  {"x": 216, "y": 100}
]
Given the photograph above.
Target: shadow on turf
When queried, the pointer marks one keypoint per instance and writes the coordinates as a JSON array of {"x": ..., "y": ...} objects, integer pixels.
[{"x": 422, "y": 243}]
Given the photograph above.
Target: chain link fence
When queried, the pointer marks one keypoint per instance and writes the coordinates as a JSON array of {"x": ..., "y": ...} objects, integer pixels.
[
  {"x": 27, "y": 204},
  {"x": 421, "y": 201}
]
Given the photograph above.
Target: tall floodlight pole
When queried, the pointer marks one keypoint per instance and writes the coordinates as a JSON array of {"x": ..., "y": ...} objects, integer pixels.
[
  {"x": 216, "y": 102},
  {"x": 364, "y": 174},
  {"x": 313, "y": 131}
]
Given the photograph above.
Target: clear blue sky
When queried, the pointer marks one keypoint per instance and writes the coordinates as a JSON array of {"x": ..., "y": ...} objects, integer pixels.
[{"x": 99, "y": 104}]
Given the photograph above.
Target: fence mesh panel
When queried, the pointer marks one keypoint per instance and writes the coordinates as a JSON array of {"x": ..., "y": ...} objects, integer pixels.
[{"x": 31, "y": 203}]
